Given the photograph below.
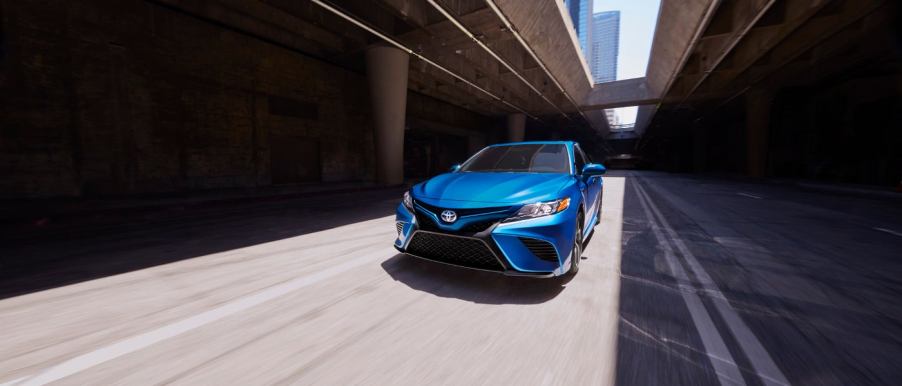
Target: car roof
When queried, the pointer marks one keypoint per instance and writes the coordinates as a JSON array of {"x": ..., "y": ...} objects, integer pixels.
[{"x": 535, "y": 143}]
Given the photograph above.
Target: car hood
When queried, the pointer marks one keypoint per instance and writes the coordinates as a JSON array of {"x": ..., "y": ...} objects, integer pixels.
[{"x": 499, "y": 188}]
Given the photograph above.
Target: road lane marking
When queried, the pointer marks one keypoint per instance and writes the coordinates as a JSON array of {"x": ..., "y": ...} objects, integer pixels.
[
  {"x": 666, "y": 342},
  {"x": 13, "y": 382},
  {"x": 605, "y": 251},
  {"x": 715, "y": 348},
  {"x": 892, "y": 232},
  {"x": 764, "y": 365},
  {"x": 138, "y": 342},
  {"x": 749, "y": 195}
]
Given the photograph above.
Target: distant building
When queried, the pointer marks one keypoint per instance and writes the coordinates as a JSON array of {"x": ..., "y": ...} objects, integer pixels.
[
  {"x": 581, "y": 15},
  {"x": 612, "y": 117},
  {"x": 604, "y": 46}
]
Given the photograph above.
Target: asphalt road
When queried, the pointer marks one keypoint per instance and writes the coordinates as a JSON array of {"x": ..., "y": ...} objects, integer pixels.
[{"x": 686, "y": 281}]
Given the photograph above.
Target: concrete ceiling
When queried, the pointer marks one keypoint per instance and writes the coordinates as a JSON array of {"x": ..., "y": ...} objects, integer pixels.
[
  {"x": 502, "y": 64},
  {"x": 768, "y": 45},
  {"x": 525, "y": 52},
  {"x": 706, "y": 53}
]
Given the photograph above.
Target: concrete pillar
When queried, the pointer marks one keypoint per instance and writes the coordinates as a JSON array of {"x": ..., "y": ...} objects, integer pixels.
[
  {"x": 757, "y": 120},
  {"x": 516, "y": 127},
  {"x": 386, "y": 72}
]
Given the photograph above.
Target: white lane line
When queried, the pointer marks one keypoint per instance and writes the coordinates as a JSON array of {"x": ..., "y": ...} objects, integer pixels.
[
  {"x": 718, "y": 354},
  {"x": 764, "y": 365},
  {"x": 749, "y": 195},
  {"x": 141, "y": 341},
  {"x": 13, "y": 382},
  {"x": 892, "y": 232}
]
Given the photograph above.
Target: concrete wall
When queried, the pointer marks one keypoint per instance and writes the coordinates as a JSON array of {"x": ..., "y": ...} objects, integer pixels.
[{"x": 125, "y": 97}]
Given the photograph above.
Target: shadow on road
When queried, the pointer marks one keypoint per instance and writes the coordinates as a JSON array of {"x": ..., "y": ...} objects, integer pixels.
[
  {"x": 471, "y": 285},
  {"x": 85, "y": 251},
  {"x": 655, "y": 326}
]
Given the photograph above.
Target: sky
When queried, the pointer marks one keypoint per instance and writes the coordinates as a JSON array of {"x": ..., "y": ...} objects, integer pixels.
[
  {"x": 638, "y": 19},
  {"x": 637, "y": 26}
]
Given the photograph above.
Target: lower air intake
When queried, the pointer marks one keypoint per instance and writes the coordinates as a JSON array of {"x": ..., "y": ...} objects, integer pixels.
[
  {"x": 463, "y": 251},
  {"x": 541, "y": 248}
]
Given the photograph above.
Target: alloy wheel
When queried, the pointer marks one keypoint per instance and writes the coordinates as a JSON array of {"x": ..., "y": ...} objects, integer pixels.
[{"x": 577, "y": 251}]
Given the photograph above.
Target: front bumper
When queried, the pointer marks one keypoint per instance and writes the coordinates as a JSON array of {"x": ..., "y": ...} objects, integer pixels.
[{"x": 537, "y": 247}]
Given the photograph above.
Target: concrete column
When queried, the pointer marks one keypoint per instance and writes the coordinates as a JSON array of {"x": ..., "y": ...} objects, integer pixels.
[
  {"x": 757, "y": 120},
  {"x": 516, "y": 127},
  {"x": 386, "y": 72}
]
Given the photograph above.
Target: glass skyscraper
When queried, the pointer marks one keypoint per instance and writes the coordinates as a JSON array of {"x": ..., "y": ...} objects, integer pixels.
[
  {"x": 581, "y": 15},
  {"x": 604, "y": 45}
]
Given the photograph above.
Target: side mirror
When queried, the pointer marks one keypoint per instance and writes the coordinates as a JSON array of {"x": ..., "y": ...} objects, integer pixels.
[
  {"x": 455, "y": 168},
  {"x": 593, "y": 170}
]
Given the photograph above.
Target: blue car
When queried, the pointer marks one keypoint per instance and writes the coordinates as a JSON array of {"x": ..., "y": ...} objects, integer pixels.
[{"x": 521, "y": 209}]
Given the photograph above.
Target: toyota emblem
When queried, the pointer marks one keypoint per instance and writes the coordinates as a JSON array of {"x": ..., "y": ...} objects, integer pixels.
[{"x": 449, "y": 216}]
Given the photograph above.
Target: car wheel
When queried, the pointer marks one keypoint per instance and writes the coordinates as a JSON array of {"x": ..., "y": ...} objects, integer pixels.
[{"x": 576, "y": 252}]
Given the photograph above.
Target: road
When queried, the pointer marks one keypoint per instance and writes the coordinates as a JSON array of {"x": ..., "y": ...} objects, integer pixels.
[{"x": 686, "y": 281}]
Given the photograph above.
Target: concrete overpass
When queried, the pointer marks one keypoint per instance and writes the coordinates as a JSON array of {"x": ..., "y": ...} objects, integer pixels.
[
  {"x": 391, "y": 77},
  {"x": 751, "y": 94}
]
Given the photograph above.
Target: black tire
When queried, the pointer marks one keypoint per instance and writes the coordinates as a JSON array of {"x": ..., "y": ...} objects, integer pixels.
[{"x": 577, "y": 249}]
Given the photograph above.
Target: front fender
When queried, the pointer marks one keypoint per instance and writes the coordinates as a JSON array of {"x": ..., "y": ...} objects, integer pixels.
[{"x": 558, "y": 229}]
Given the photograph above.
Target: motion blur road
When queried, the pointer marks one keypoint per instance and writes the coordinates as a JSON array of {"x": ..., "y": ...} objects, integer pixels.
[{"x": 687, "y": 280}]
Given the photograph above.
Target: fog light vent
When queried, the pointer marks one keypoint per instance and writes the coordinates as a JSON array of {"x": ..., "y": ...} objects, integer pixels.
[{"x": 541, "y": 248}]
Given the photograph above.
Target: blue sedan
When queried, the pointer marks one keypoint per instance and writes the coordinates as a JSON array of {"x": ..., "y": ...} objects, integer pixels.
[{"x": 521, "y": 209}]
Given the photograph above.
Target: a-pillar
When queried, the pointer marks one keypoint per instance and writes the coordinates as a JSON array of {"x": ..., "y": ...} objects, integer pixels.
[
  {"x": 386, "y": 72},
  {"x": 757, "y": 123},
  {"x": 516, "y": 127}
]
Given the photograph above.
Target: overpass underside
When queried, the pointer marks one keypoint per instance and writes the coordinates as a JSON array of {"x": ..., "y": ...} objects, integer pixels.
[
  {"x": 163, "y": 96},
  {"x": 794, "y": 89}
]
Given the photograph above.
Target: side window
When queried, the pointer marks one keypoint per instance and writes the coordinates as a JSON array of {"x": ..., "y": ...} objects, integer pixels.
[{"x": 580, "y": 159}]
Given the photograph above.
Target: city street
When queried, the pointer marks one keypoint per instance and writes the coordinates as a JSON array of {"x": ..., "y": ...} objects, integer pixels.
[{"x": 687, "y": 280}]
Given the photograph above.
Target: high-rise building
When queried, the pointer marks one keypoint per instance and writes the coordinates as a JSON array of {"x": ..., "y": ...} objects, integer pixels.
[
  {"x": 604, "y": 45},
  {"x": 581, "y": 15}
]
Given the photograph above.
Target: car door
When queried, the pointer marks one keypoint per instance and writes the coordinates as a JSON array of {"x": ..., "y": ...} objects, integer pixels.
[{"x": 592, "y": 193}]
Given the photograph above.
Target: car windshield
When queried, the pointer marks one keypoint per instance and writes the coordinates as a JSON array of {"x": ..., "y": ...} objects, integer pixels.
[{"x": 533, "y": 158}]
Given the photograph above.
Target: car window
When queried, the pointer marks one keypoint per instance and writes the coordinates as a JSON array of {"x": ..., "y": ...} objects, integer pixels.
[
  {"x": 532, "y": 158},
  {"x": 580, "y": 159}
]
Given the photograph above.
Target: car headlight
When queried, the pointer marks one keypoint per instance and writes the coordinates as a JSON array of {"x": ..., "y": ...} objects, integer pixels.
[
  {"x": 541, "y": 209},
  {"x": 408, "y": 201}
]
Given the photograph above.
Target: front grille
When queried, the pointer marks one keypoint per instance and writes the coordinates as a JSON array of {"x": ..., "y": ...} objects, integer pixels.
[
  {"x": 427, "y": 224},
  {"x": 465, "y": 251},
  {"x": 400, "y": 226},
  {"x": 479, "y": 226},
  {"x": 463, "y": 211},
  {"x": 542, "y": 249}
]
